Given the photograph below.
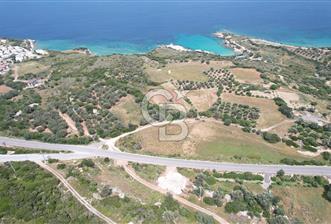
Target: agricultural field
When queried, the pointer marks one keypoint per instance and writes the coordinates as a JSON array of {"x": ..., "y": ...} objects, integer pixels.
[
  {"x": 269, "y": 110},
  {"x": 73, "y": 105}
]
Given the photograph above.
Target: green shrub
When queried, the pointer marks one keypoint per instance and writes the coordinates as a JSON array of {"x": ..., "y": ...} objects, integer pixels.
[
  {"x": 61, "y": 166},
  {"x": 271, "y": 137},
  {"x": 327, "y": 192},
  {"x": 210, "y": 180},
  {"x": 326, "y": 155},
  {"x": 209, "y": 201},
  {"x": 292, "y": 162},
  {"x": 235, "y": 206},
  {"x": 204, "y": 219},
  {"x": 87, "y": 163},
  {"x": 310, "y": 148},
  {"x": 3, "y": 150},
  {"x": 50, "y": 160},
  {"x": 289, "y": 142}
]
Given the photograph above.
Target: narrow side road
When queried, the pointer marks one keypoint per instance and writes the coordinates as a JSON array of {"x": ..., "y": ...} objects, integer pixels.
[
  {"x": 75, "y": 193},
  {"x": 181, "y": 200}
]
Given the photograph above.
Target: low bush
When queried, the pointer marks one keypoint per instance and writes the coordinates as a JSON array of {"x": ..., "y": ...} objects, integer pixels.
[{"x": 271, "y": 137}]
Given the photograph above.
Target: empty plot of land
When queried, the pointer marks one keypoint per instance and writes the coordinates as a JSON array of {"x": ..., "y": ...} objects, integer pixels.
[
  {"x": 202, "y": 99},
  {"x": 184, "y": 70},
  {"x": 30, "y": 67},
  {"x": 4, "y": 89},
  {"x": 127, "y": 110},
  {"x": 305, "y": 203},
  {"x": 269, "y": 110},
  {"x": 211, "y": 140},
  {"x": 291, "y": 98},
  {"x": 247, "y": 75}
]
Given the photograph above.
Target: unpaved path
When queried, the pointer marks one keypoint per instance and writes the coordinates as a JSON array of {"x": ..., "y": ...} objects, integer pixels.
[
  {"x": 181, "y": 200},
  {"x": 75, "y": 193},
  {"x": 277, "y": 125}
]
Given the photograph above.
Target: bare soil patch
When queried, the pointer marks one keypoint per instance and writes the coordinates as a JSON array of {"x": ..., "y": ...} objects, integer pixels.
[
  {"x": 71, "y": 124},
  {"x": 85, "y": 129},
  {"x": 4, "y": 89},
  {"x": 203, "y": 99},
  {"x": 291, "y": 98}
]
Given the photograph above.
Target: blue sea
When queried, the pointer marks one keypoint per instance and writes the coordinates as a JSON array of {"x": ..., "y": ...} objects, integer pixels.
[{"x": 129, "y": 27}]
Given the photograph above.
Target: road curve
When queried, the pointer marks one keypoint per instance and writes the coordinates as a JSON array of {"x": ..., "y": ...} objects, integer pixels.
[{"x": 82, "y": 151}]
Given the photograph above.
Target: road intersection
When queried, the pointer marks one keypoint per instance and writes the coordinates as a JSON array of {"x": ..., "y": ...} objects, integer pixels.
[{"x": 85, "y": 151}]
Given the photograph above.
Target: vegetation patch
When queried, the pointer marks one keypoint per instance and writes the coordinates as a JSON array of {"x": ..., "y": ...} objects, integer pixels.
[
  {"x": 268, "y": 109},
  {"x": 28, "y": 194},
  {"x": 309, "y": 136},
  {"x": 10, "y": 150},
  {"x": 305, "y": 203},
  {"x": 243, "y": 115}
]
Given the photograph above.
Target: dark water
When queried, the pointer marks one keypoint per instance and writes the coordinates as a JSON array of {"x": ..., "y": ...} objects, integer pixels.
[{"x": 138, "y": 26}]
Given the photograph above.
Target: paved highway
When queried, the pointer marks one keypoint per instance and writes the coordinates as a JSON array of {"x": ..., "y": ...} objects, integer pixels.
[{"x": 94, "y": 151}]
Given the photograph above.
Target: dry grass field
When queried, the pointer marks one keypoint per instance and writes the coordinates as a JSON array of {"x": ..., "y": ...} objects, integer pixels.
[
  {"x": 184, "y": 70},
  {"x": 269, "y": 110},
  {"x": 30, "y": 67},
  {"x": 127, "y": 110},
  {"x": 211, "y": 140},
  {"x": 247, "y": 75},
  {"x": 305, "y": 203}
]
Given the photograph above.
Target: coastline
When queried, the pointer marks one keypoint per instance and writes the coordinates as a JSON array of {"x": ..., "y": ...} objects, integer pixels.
[{"x": 67, "y": 46}]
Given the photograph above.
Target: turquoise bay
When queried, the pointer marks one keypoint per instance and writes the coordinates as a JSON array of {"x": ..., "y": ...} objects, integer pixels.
[
  {"x": 192, "y": 42},
  {"x": 203, "y": 43}
]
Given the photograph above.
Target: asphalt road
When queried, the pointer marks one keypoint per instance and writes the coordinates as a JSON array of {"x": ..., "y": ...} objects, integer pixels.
[{"x": 94, "y": 151}]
